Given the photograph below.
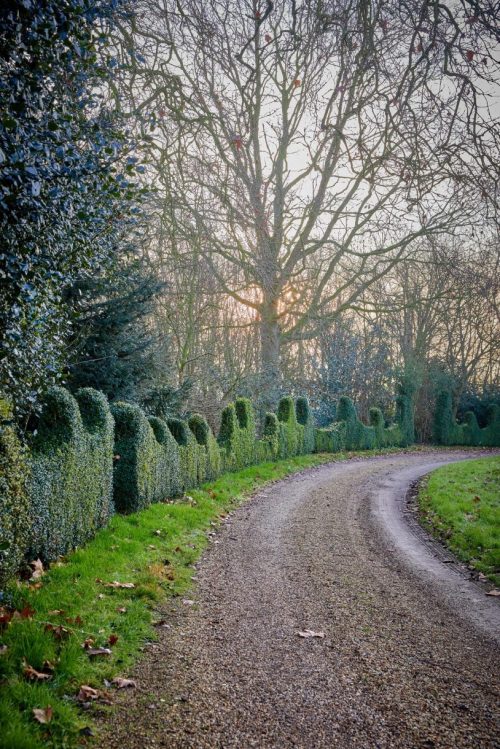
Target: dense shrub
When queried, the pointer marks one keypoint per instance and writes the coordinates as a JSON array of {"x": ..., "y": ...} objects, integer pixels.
[
  {"x": 357, "y": 435},
  {"x": 193, "y": 457},
  {"x": 70, "y": 486},
  {"x": 291, "y": 433},
  {"x": 237, "y": 435},
  {"x": 147, "y": 467},
  {"x": 305, "y": 419},
  {"x": 204, "y": 437},
  {"x": 331, "y": 439},
  {"x": 268, "y": 447},
  {"x": 447, "y": 432},
  {"x": 15, "y": 522}
]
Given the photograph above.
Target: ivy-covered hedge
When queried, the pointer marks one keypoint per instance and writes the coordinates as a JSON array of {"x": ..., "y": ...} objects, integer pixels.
[
  {"x": 446, "y": 431},
  {"x": 147, "y": 467},
  {"x": 70, "y": 485},
  {"x": 15, "y": 519}
]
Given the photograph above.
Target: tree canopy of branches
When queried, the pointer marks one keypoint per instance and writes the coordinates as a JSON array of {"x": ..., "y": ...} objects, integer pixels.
[
  {"x": 67, "y": 199},
  {"x": 305, "y": 147}
]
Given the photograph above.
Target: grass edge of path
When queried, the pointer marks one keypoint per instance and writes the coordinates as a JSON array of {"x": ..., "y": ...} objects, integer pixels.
[{"x": 459, "y": 504}]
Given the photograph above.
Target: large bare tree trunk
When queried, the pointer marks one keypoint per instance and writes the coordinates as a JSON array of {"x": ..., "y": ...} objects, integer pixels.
[{"x": 270, "y": 339}]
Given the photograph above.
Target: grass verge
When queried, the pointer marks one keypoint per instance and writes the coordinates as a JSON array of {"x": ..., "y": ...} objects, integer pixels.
[
  {"x": 73, "y": 604},
  {"x": 460, "y": 503}
]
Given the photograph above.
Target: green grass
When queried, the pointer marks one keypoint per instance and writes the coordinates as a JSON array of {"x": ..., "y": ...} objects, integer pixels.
[{"x": 460, "y": 503}]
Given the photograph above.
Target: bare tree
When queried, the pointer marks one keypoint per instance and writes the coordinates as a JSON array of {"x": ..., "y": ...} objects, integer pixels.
[{"x": 308, "y": 145}]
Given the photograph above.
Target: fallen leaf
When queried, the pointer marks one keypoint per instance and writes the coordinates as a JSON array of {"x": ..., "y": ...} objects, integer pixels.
[
  {"x": 123, "y": 683},
  {"x": 5, "y": 616},
  {"x": 310, "y": 633},
  {"x": 33, "y": 675},
  {"x": 3, "y": 649},
  {"x": 37, "y": 568},
  {"x": 56, "y": 612},
  {"x": 122, "y": 610},
  {"x": 493, "y": 593},
  {"x": 188, "y": 602},
  {"x": 87, "y": 693},
  {"x": 48, "y": 666},
  {"x": 57, "y": 630},
  {"x": 88, "y": 643},
  {"x": 116, "y": 584},
  {"x": 92, "y": 652},
  {"x": 26, "y": 613},
  {"x": 113, "y": 639},
  {"x": 74, "y": 620},
  {"x": 43, "y": 714}
]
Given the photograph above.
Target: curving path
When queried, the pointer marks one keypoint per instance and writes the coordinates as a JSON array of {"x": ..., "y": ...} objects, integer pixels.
[{"x": 409, "y": 658}]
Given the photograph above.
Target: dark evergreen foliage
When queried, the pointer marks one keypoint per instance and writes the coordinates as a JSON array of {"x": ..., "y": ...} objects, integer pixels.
[{"x": 67, "y": 199}]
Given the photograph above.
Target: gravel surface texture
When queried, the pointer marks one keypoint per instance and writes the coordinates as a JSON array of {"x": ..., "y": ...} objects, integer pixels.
[{"x": 401, "y": 664}]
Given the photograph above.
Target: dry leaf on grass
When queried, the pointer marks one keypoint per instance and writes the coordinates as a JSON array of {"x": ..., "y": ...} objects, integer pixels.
[
  {"x": 112, "y": 640},
  {"x": 32, "y": 674},
  {"x": 122, "y": 610},
  {"x": 92, "y": 652},
  {"x": 123, "y": 683},
  {"x": 310, "y": 633},
  {"x": 87, "y": 693},
  {"x": 116, "y": 584},
  {"x": 43, "y": 714}
]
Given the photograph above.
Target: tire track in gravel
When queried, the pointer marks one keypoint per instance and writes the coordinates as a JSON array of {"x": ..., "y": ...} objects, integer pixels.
[{"x": 399, "y": 666}]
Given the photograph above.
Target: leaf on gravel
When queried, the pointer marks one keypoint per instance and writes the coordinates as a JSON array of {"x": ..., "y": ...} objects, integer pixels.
[
  {"x": 32, "y": 674},
  {"x": 93, "y": 652},
  {"x": 43, "y": 714},
  {"x": 310, "y": 633},
  {"x": 123, "y": 683},
  {"x": 188, "y": 602},
  {"x": 37, "y": 568},
  {"x": 493, "y": 593}
]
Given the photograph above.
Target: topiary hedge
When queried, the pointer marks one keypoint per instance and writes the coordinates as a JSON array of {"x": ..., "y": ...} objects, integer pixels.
[
  {"x": 204, "y": 437},
  {"x": 291, "y": 432},
  {"x": 15, "y": 520},
  {"x": 331, "y": 439},
  {"x": 446, "y": 431},
  {"x": 193, "y": 457},
  {"x": 237, "y": 435},
  {"x": 147, "y": 463},
  {"x": 357, "y": 435},
  {"x": 70, "y": 486},
  {"x": 305, "y": 419},
  {"x": 267, "y": 448}
]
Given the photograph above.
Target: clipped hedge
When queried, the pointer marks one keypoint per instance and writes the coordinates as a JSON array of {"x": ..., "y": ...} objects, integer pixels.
[
  {"x": 268, "y": 448},
  {"x": 331, "y": 439},
  {"x": 446, "y": 431},
  {"x": 70, "y": 485},
  {"x": 237, "y": 435},
  {"x": 15, "y": 521},
  {"x": 305, "y": 419},
  {"x": 291, "y": 432},
  {"x": 147, "y": 467},
  {"x": 193, "y": 457},
  {"x": 391, "y": 436},
  {"x": 204, "y": 436},
  {"x": 357, "y": 435}
]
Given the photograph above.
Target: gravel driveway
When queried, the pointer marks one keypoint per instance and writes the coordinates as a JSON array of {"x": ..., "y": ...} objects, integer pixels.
[{"x": 406, "y": 660}]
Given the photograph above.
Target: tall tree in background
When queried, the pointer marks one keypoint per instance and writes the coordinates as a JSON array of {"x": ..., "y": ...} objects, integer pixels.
[
  {"x": 67, "y": 201},
  {"x": 306, "y": 146}
]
